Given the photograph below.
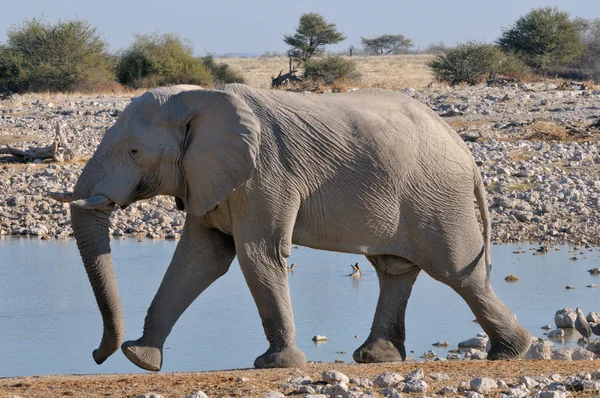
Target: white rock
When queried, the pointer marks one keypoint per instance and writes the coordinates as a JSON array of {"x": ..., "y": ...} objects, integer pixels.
[
  {"x": 562, "y": 354},
  {"x": 475, "y": 342},
  {"x": 415, "y": 385},
  {"x": 390, "y": 392},
  {"x": 581, "y": 354},
  {"x": 483, "y": 385},
  {"x": 540, "y": 350},
  {"x": 438, "y": 376},
  {"x": 198, "y": 394},
  {"x": 318, "y": 337},
  {"x": 565, "y": 318},
  {"x": 149, "y": 395},
  {"x": 333, "y": 377},
  {"x": 556, "y": 334},
  {"x": 274, "y": 394},
  {"x": 387, "y": 379},
  {"x": 416, "y": 374}
]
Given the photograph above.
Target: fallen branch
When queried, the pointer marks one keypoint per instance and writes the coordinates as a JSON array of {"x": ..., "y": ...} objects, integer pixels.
[{"x": 58, "y": 151}]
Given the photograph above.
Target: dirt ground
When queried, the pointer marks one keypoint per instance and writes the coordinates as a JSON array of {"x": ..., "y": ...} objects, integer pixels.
[{"x": 227, "y": 383}]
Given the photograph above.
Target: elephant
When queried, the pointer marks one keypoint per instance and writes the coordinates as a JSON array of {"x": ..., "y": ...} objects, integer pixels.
[{"x": 371, "y": 172}]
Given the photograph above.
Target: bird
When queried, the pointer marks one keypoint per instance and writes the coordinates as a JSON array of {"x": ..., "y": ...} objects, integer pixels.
[
  {"x": 291, "y": 267},
  {"x": 355, "y": 271},
  {"x": 582, "y": 326},
  {"x": 594, "y": 271}
]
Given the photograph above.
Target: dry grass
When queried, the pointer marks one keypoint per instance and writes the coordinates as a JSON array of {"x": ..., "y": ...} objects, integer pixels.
[
  {"x": 388, "y": 71},
  {"x": 547, "y": 131}
]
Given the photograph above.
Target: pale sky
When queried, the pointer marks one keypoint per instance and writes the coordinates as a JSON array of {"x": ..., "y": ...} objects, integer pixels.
[{"x": 257, "y": 26}]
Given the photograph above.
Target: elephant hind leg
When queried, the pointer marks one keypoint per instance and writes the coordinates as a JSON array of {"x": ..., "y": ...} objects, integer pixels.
[
  {"x": 386, "y": 340},
  {"x": 508, "y": 339}
]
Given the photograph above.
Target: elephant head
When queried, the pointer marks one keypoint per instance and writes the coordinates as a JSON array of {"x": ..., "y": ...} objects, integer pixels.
[{"x": 197, "y": 145}]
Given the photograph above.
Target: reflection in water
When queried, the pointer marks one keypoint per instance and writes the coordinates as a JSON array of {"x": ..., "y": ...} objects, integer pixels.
[{"x": 48, "y": 310}]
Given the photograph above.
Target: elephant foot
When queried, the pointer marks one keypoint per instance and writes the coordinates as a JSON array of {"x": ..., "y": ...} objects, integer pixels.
[
  {"x": 283, "y": 358},
  {"x": 510, "y": 347},
  {"x": 379, "y": 350},
  {"x": 144, "y": 356}
]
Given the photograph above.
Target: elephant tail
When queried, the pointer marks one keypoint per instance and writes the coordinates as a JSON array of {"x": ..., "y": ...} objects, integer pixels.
[{"x": 485, "y": 216}]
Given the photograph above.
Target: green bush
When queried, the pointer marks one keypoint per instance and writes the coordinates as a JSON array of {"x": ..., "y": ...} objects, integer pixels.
[
  {"x": 329, "y": 69},
  {"x": 221, "y": 71},
  {"x": 160, "y": 60},
  {"x": 544, "y": 38},
  {"x": 467, "y": 62},
  {"x": 67, "y": 56}
]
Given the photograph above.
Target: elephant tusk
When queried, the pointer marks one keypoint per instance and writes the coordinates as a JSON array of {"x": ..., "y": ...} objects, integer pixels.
[
  {"x": 92, "y": 203},
  {"x": 64, "y": 197}
]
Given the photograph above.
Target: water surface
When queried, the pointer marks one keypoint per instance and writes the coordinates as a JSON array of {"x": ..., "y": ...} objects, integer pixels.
[{"x": 49, "y": 321}]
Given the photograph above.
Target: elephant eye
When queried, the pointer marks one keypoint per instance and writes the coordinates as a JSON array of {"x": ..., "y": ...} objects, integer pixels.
[{"x": 133, "y": 151}]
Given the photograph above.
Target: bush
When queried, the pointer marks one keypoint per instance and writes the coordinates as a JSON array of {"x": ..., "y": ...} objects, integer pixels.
[
  {"x": 67, "y": 56},
  {"x": 329, "y": 69},
  {"x": 221, "y": 72},
  {"x": 589, "y": 65},
  {"x": 160, "y": 60},
  {"x": 467, "y": 62},
  {"x": 544, "y": 38}
]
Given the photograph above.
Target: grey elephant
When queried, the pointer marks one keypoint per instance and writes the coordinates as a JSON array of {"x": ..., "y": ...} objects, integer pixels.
[{"x": 371, "y": 172}]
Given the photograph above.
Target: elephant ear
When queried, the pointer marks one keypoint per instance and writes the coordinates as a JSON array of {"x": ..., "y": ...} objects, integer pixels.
[{"x": 221, "y": 146}]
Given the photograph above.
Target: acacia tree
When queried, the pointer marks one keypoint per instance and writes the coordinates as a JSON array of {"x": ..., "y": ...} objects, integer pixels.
[
  {"x": 544, "y": 38},
  {"x": 386, "y": 44},
  {"x": 312, "y": 34}
]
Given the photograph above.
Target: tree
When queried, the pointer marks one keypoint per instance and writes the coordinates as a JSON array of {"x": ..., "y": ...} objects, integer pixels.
[
  {"x": 67, "y": 56},
  {"x": 312, "y": 34},
  {"x": 544, "y": 38},
  {"x": 386, "y": 44},
  {"x": 590, "y": 59}
]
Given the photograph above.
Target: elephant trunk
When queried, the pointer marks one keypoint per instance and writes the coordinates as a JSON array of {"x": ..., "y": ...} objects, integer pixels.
[{"x": 90, "y": 228}]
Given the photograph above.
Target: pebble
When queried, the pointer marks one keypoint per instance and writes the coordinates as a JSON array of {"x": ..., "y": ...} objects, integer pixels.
[
  {"x": 198, "y": 394},
  {"x": 333, "y": 376},
  {"x": 483, "y": 385}
]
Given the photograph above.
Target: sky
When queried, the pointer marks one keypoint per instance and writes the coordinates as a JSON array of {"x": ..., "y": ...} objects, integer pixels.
[{"x": 258, "y": 26}]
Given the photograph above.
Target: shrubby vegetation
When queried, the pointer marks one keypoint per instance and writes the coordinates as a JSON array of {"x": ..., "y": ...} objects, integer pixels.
[
  {"x": 67, "y": 56},
  {"x": 329, "y": 69},
  {"x": 545, "y": 41},
  {"x": 72, "y": 56}
]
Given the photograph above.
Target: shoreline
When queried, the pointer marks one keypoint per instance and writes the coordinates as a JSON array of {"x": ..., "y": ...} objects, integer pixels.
[{"x": 257, "y": 383}]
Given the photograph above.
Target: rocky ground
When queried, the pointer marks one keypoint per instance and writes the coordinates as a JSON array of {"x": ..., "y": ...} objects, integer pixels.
[{"x": 474, "y": 379}]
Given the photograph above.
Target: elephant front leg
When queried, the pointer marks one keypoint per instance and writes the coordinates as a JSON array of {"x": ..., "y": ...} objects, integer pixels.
[
  {"x": 388, "y": 333},
  {"x": 201, "y": 257},
  {"x": 267, "y": 279}
]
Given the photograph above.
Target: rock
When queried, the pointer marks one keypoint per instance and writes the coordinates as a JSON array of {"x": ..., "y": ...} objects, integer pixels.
[
  {"x": 302, "y": 380},
  {"x": 318, "y": 337},
  {"x": 569, "y": 287},
  {"x": 556, "y": 334},
  {"x": 333, "y": 377},
  {"x": 528, "y": 382},
  {"x": 474, "y": 394},
  {"x": 448, "y": 390},
  {"x": 475, "y": 342},
  {"x": 438, "y": 376},
  {"x": 502, "y": 384},
  {"x": 416, "y": 374},
  {"x": 198, "y": 394},
  {"x": 274, "y": 394},
  {"x": 565, "y": 318},
  {"x": 562, "y": 354},
  {"x": 149, "y": 395},
  {"x": 429, "y": 354},
  {"x": 594, "y": 346},
  {"x": 581, "y": 354},
  {"x": 511, "y": 278},
  {"x": 552, "y": 394},
  {"x": 483, "y": 385},
  {"x": 546, "y": 327},
  {"x": 387, "y": 379},
  {"x": 519, "y": 391},
  {"x": 441, "y": 343},
  {"x": 390, "y": 392},
  {"x": 593, "y": 317},
  {"x": 340, "y": 389},
  {"x": 540, "y": 350},
  {"x": 415, "y": 385},
  {"x": 453, "y": 356}
]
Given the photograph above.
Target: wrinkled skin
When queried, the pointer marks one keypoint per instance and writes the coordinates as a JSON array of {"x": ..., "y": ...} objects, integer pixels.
[{"x": 370, "y": 172}]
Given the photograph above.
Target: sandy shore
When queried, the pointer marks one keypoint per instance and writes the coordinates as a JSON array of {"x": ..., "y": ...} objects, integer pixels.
[{"x": 259, "y": 382}]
